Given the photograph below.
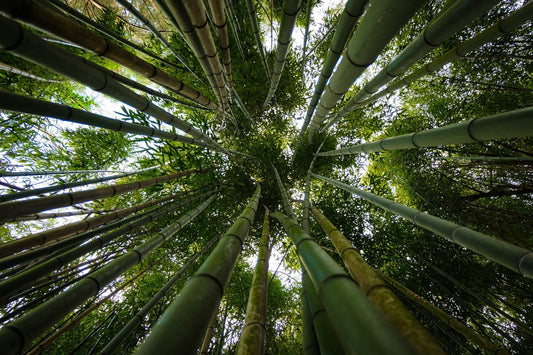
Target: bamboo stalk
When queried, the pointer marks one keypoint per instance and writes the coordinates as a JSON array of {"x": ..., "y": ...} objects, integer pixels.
[
  {"x": 140, "y": 315},
  {"x": 15, "y": 209},
  {"x": 252, "y": 339},
  {"x": 515, "y": 258},
  {"x": 382, "y": 20},
  {"x": 360, "y": 328},
  {"x": 377, "y": 292},
  {"x": 40, "y": 238},
  {"x": 252, "y": 14},
  {"x": 55, "y": 23},
  {"x": 21, "y": 332},
  {"x": 452, "y": 322},
  {"x": 511, "y": 124},
  {"x": 183, "y": 325}
]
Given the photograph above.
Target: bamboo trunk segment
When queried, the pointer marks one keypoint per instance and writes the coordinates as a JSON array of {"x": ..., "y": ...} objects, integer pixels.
[
  {"x": 515, "y": 258},
  {"x": 9, "y": 210},
  {"x": 359, "y": 326},
  {"x": 21, "y": 332},
  {"x": 377, "y": 292},
  {"x": 183, "y": 325}
]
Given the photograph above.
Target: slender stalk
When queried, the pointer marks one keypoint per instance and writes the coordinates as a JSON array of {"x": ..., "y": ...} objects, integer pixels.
[
  {"x": 140, "y": 315},
  {"x": 184, "y": 323},
  {"x": 377, "y": 292},
  {"x": 40, "y": 216},
  {"x": 252, "y": 339},
  {"x": 17, "y": 71},
  {"x": 359, "y": 326},
  {"x": 21, "y": 332},
  {"x": 15, "y": 209},
  {"x": 252, "y": 14},
  {"x": 310, "y": 342},
  {"x": 452, "y": 322},
  {"x": 204, "y": 349},
  {"x": 513, "y": 257},
  {"x": 382, "y": 20},
  {"x": 511, "y": 124}
]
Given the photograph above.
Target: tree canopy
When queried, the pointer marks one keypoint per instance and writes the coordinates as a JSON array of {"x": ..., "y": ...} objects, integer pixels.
[{"x": 131, "y": 134}]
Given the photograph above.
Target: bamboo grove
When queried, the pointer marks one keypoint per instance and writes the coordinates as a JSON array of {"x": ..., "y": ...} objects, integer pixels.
[{"x": 284, "y": 176}]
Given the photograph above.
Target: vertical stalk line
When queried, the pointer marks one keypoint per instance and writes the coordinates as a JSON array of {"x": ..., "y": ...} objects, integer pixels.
[
  {"x": 14, "y": 284},
  {"x": 141, "y": 314},
  {"x": 48, "y": 20},
  {"x": 15, "y": 209},
  {"x": 30, "y": 105},
  {"x": 359, "y": 326},
  {"x": 204, "y": 349},
  {"x": 183, "y": 325},
  {"x": 25, "y": 44},
  {"x": 515, "y": 258},
  {"x": 252, "y": 338},
  {"x": 290, "y": 11},
  {"x": 15, "y": 336},
  {"x": 504, "y": 26},
  {"x": 382, "y": 20},
  {"x": 452, "y": 322},
  {"x": 377, "y": 292},
  {"x": 257, "y": 34},
  {"x": 62, "y": 232}
]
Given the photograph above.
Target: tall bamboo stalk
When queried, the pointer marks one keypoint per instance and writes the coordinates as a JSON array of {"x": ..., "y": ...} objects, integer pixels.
[
  {"x": 513, "y": 257},
  {"x": 252, "y": 339},
  {"x": 452, "y": 322},
  {"x": 377, "y": 292},
  {"x": 41, "y": 238},
  {"x": 21, "y": 332},
  {"x": 140, "y": 315},
  {"x": 450, "y": 21},
  {"x": 15, "y": 209},
  {"x": 309, "y": 340},
  {"x": 511, "y": 124},
  {"x": 57, "y": 24},
  {"x": 360, "y": 328},
  {"x": 290, "y": 11},
  {"x": 204, "y": 349},
  {"x": 502, "y": 27},
  {"x": 382, "y": 20},
  {"x": 13, "y": 285},
  {"x": 39, "y": 191},
  {"x": 25, "y": 104},
  {"x": 38, "y": 51},
  {"x": 183, "y": 325},
  {"x": 252, "y": 14}
]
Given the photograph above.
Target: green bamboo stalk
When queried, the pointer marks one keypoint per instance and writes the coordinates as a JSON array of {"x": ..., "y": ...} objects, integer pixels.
[
  {"x": 290, "y": 11},
  {"x": 328, "y": 340},
  {"x": 17, "y": 71},
  {"x": 48, "y": 20},
  {"x": 359, "y": 326},
  {"x": 139, "y": 16},
  {"x": 452, "y": 322},
  {"x": 450, "y": 21},
  {"x": 39, "y": 191},
  {"x": 41, "y": 238},
  {"x": 23, "y": 43},
  {"x": 504, "y": 26},
  {"x": 40, "y": 216},
  {"x": 382, "y": 20},
  {"x": 284, "y": 196},
  {"x": 15, "y": 209},
  {"x": 252, "y": 339},
  {"x": 55, "y": 172},
  {"x": 252, "y": 14},
  {"x": 219, "y": 19},
  {"x": 183, "y": 325},
  {"x": 377, "y": 292},
  {"x": 310, "y": 342},
  {"x": 204, "y": 349},
  {"x": 12, "y": 285},
  {"x": 511, "y": 124},
  {"x": 513, "y": 257},
  {"x": 25, "y": 104},
  {"x": 21, "y": 332},
  {"x": 307, "y": 192},
  {"x": 140, "y": 315},
  {"x": 234, "y": 24},
  {"x": 503, "y": 160},
  {"x": 351, "y": 13}
]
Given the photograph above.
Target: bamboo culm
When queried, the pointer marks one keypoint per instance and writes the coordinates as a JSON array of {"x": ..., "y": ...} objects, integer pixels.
[
  {"x": 515, "y": 258},
  {"x": 183, "y": 325},
  {"x": 15, "y": 209},
  {"x": 360, "y": 328},
  {"x": 21, "y": 332}
]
